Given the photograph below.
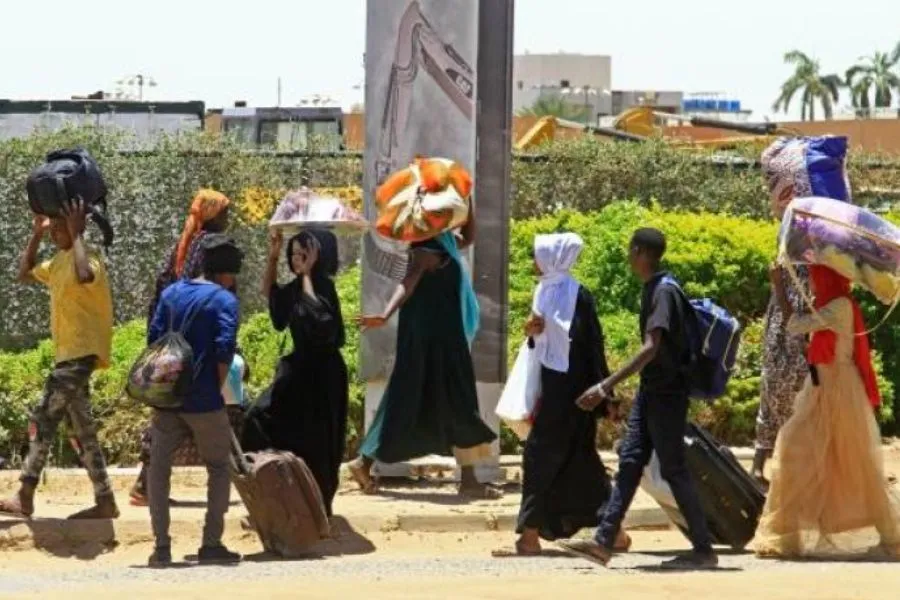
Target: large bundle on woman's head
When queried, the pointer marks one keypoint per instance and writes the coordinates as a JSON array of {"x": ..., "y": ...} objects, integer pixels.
[
  {"x": 805, "y": 166},
  {"x": 852, "y": 241},
  {"x": 303, "y": 208},
  {"x": 68, "y": 175},
  {"x": 427, "y": 198}
]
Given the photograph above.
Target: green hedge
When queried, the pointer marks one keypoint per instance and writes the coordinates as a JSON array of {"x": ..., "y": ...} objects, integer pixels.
[
  {"x": 151, "y": 190},
  {"x": 722, "y": 257}
]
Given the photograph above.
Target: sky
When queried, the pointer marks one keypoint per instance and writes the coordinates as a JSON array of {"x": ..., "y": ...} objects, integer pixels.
[{"x": 220, "y": 52}]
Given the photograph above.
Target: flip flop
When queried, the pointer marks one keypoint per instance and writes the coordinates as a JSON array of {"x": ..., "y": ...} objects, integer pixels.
[
  {"x": 481, "y": 492},
  {"x": 580, "y": 548}
]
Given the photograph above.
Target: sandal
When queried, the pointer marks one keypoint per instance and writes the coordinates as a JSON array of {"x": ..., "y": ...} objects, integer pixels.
[
  {"x": 586, "y": 549},
  {"x": 482, "y": 491}
]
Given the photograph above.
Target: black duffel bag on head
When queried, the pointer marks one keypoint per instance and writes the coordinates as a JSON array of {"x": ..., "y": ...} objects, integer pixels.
[{"x": 64, "y": 176}]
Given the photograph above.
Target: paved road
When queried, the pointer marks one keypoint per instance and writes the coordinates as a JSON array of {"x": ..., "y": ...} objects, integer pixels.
[{"x": 400, "y": 565}]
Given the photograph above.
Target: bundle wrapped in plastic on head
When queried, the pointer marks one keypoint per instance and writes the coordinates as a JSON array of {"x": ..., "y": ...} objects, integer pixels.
[
  {"x": 422, "y": 201},
  {"x": 305, "y": 208},
  {"x": 803, "y": 167},
  {"x": 856, "y": 243}
]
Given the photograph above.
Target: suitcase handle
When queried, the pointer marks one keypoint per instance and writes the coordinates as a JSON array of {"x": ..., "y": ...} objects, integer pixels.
[{"x": 239, "y": 463}]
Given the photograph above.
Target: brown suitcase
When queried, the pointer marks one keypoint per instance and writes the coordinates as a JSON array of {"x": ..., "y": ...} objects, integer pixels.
[{"x": 283, "y": 499}]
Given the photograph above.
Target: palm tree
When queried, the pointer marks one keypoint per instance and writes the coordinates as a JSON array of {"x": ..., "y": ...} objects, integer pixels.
[
  {"x": 555, "y": 107},
  {"x": 876, "y": 71},
  {"x": 814, "y": 88}
]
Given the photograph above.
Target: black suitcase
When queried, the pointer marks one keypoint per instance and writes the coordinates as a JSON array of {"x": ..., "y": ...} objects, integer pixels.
[{"x": 731, "y": 500}]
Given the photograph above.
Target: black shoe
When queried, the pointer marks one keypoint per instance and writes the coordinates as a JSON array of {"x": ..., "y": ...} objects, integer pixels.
[
  {"x": 692, "y": 561},
  {"x": 219, "y": 555},
  {"x": 161, "y": 557}
]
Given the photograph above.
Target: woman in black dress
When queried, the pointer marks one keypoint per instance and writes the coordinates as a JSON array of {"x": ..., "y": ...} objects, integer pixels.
[
  {"x": 307, "y": 414},
  {"x": 565, "y": 483}
]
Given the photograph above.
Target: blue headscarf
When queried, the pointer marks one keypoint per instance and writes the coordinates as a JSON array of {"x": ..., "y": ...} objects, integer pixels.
[{"x": 471, "y": 313}]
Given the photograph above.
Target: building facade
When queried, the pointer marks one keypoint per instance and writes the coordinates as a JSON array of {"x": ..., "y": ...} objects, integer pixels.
[{"x": 582, "y": 81}]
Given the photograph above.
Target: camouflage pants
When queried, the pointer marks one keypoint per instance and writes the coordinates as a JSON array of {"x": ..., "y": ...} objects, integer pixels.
[{"x": 67, "y": 392}]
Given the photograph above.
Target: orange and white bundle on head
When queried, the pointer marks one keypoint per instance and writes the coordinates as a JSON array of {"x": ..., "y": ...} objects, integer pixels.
[{"x": 422, "y": 201}]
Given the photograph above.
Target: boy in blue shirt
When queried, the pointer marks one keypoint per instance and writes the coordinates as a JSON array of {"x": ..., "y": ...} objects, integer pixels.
[{"x": 212, "y": 334}]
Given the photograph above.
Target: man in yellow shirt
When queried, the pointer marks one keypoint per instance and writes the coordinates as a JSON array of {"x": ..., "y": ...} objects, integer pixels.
[{"x": 81, "y": 320}]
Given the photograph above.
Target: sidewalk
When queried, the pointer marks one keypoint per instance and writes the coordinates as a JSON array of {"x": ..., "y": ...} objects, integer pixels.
[{"x": 428, "y": 505}]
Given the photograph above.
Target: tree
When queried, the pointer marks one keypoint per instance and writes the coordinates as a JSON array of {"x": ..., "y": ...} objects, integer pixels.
[
  {"x": 555, "y": 107},
  {"x": 814, "y": 88},
  {"x": 875, "y": 72}
]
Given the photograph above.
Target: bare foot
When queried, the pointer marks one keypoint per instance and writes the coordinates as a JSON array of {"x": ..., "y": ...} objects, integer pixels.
[
  {"x": 519, "y": 549},
  {"x": 623, "y": 542},
  {"x": 480, "y": 491},
  {"x": 361, "y": 476},
  {"x": 586, "y": 549},
  {"x": 20, "y": 505}
]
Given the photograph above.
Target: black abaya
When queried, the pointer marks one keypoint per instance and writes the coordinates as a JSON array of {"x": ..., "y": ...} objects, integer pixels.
[
  {"x": 565, "y": 483},
  {"x": 309, "y": 396}
]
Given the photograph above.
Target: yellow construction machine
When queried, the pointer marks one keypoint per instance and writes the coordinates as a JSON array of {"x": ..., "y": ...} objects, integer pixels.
[{"x": 643, "y": 122}]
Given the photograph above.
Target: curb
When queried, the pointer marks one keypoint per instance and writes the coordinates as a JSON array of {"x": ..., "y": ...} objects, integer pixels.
[{"x": 60, "y": 536}]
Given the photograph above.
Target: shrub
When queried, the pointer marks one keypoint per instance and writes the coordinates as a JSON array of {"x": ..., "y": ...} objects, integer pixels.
[
  {"x": 722, "y": 257},
  {"x": 120, "y": 419}
]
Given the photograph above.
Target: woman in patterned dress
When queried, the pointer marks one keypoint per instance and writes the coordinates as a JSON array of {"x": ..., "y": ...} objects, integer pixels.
[{"x": 784, "y": 366}]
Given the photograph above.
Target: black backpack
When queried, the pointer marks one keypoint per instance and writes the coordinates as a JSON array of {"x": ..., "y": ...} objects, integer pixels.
[{"x": 65, "y": 175}]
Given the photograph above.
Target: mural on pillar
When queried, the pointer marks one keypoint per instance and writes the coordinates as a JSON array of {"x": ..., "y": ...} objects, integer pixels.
[{"x": 420, "y": 95}]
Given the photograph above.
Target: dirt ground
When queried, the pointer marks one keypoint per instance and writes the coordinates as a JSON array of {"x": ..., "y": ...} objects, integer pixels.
[{"x": 444, "y": 566}]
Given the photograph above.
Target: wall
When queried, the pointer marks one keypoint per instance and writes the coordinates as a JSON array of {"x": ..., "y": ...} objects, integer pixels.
[
  {"x": 871, "y": 135},
  {"x": 875, "y": 135}
]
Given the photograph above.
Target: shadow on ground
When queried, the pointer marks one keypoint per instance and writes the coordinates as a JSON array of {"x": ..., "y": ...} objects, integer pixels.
[
  {"x": 346, "y": 542},
  {"x": 84, "y": 540}
]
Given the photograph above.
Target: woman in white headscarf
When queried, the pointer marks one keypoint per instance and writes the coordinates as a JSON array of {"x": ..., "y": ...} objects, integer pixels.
[{"x": 565, "y": 483}]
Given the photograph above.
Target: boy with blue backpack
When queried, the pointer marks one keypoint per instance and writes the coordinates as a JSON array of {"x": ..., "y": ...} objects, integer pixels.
[{"x": 659, "y": 414}]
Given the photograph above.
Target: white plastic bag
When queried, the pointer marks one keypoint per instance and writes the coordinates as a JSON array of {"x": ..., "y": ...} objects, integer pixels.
[
  {"x": 521, "y": 393},
  {"x": 654, "y": 484}
]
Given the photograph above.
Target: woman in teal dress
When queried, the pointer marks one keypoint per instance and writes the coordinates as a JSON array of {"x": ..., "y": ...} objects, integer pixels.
[{"x": 430, "y": 405}]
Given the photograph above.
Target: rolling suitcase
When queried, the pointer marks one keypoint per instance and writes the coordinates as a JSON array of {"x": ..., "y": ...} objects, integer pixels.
[
  {"x": 731, "y": 500},
  {"x": 283, "y": 499}
]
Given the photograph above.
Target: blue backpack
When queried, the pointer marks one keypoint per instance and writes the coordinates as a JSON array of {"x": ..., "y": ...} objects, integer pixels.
[{"x": 714, "y": 337}]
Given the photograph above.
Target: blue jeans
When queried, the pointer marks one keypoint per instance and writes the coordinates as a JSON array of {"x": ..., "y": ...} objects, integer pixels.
[{"x": 657, "y": 422}]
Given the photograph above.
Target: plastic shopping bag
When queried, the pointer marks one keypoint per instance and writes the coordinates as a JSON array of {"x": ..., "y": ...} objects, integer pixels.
[
  {"x": 521, "y": 393},
  {"x": 658, "y": 489}
]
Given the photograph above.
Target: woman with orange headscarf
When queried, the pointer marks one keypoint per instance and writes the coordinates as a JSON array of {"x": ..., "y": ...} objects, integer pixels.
[
  {"x": 208, "y": 214},
  {"x": 828, "y": 495}
]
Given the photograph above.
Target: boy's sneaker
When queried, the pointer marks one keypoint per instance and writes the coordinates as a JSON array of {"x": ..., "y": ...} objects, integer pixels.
[
  {"x": 161, "y": 557},
  {"x": 692, "y": 561},
  {"x": 217, "y": 555}
]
